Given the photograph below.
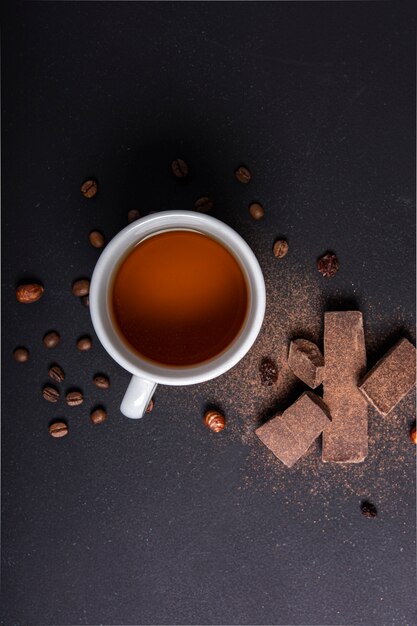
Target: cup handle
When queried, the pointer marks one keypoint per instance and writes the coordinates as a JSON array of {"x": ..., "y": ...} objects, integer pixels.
[{"x": 137, "y": 397}]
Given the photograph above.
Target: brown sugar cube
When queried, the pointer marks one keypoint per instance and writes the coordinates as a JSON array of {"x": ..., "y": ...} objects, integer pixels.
[
  {"x": 346, "y": 439},
  {"x": 306, "y": 361},
  {"x": 290, "y": 435},
  {"x": 391, "y": 378}
]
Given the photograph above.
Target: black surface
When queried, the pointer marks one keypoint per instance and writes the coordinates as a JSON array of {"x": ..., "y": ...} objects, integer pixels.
[{"x": 148, "y": 522}]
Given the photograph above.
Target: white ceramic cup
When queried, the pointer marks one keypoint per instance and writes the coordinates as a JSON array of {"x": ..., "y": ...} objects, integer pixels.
[{"x": 147, "y": 375}]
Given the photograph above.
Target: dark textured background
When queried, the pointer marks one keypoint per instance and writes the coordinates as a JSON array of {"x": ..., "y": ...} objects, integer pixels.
[{"x": 147, "y": 522}]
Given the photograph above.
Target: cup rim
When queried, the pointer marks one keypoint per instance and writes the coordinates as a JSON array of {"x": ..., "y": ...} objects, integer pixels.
[{"x": 101, "y": 280}]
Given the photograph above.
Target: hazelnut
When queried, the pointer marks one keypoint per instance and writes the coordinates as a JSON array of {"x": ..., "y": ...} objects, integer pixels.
[
  {"x": 214, "y": 420},
  {"x": 256, "y": 210},
  {"x": 21, "y": 355},
  {"x": 84, "y": 343}
]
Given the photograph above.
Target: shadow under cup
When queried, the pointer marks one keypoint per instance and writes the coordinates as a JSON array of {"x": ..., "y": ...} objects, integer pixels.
[{"x": 177, "y": 297}]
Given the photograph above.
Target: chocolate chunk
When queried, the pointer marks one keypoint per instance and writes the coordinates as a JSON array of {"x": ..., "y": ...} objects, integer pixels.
[
  {"x": 328, "y": 265},
  {"x": 268, "y": 372},
  {"x": 368, "y": 509},
  {"x": 306, "y": 361},
  {"x": 290, "y": 435},
  {"x": 346, "y": 440},
  {"x": 391, "y": 378}
]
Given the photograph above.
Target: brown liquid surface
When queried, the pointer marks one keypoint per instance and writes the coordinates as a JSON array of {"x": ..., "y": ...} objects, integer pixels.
[{"x": 179, "y": 298}]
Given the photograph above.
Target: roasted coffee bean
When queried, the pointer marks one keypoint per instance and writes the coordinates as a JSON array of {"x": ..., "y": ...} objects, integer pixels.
[
  {"x": 101, "y": 381},
  {"x": 214, "y": 420},
  {"x": 268, "y": 372},
  {"x": 413, "y": 435},
  {"x": 74, "y": 398},
  {"x": 256, "y": 210},
  {"x": 84, "y": 344},
  {"x": 280, "y": 248},
  {"x": 56, "y": 373},
  {"x": 328, "y": 265},
  {"x": 21, "y": 355},
  {"x": 81, "y": 287},
  {"x": 150, "y": 406},
  {"x": 58, "y": 429},
  {"x": 368, "y": 509},
  {"x": 89, "y": 188},
  {"x": 98, "y": 416},
  {"x": 179, "y": 168},
  {"x": 133, "y": 215},
  {"x": 50, "y": 394},
  {"x": 26, "y": 294},
  {"x": 243, "y": 175},
  {"x": 51, "y": 339},
  {"x": 203, "y": 204},
  {"x": 96, "y": 239},
  {"x": 85, "y": 300}
]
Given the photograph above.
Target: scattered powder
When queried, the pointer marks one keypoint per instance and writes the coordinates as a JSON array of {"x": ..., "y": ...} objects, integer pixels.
[
  {"x": 385, "y": 473},
  {"x": 295, "y": 308}
]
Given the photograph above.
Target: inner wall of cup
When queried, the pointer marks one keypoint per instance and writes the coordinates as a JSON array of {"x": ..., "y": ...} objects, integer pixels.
[{"x": 109, "y": 307}]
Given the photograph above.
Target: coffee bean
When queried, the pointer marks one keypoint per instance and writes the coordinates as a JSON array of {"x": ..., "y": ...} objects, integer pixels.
[
  {"x": 133, "y": 215},
  {"x": 150, "y": 406},
  {"x": 58, "y": 429},
  {"x": 413, "y": 435},
  {"x": 203, "y": 204},
  {"x": 179, "y": 168},
  {"x": 280, "y": 248},
  {"x": 50, "y": 394},
  {"x": 98, "y": 416},
  {"x": 84, "y": 344},
  {"x": 26, "y": 294},
  {"x": 56, "y": 373},
  {"x": 21, "y": 355},
  {"x": 328, "y": 265},
  {"x": 89, "y": 188},
  {"x": 85, "y": 300},
  {"x": 74, "y": 398},
  {"x": 81, "y": 287},
  {"x": 51, "y": 339},
  {"x": 256, "y": 210},
  {"x": 101, "y": 381},
  {"x": 268, "y": 372},
  {"x": 214, "y": 420},
  {"x": 243, "y": 175},
  {"x": 368, "y": 509},
  {"x": 96, "y": 239}
]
